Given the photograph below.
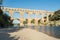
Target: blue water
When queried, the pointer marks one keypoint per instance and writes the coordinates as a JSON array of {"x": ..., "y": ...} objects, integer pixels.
[{"x": 55, "y": 31}]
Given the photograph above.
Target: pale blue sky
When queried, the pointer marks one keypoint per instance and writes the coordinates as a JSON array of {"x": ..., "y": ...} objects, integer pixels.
[{"x": 51, "y": 5}]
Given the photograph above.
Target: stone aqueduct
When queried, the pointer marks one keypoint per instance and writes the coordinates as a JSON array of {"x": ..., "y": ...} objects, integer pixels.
[{"x": 29, "y": 11}]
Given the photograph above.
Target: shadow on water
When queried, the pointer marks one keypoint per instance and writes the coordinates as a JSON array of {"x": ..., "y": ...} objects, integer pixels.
[
  {"x": 4, "y": 33},
  {"x": 55, "y": 31}
]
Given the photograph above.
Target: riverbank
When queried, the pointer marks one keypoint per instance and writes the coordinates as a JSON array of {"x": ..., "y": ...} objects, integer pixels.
[
  {"x": 23, "y": 34},
  {"x": 29, "y": 34}
]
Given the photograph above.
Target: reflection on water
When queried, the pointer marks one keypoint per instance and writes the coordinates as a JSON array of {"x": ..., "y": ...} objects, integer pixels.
[
  {"x": 50, "y": 30},
  {"x": 55, "y": 31}
]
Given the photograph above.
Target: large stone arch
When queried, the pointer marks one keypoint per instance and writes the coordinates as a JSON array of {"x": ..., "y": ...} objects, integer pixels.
[{"x": 15, "y": 22}]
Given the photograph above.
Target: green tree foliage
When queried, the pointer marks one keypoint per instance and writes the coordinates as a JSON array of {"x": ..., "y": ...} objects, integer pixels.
[
  {"x": 33, "y": 21},
  {"x": 39, "y": 21},
  {"x": 55, "y": 17},
  {"x": 4, "y": 19},
  {"x": 1, "y": 2},
  {"x": 25, "y": 22}
]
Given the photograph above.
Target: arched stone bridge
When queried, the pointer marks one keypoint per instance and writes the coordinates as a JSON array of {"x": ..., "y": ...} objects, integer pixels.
[{"x": 29, "y": 12}]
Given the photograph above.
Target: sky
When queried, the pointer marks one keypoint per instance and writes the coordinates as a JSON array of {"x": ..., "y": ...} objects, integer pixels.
[{"x": 50, "y": 5}]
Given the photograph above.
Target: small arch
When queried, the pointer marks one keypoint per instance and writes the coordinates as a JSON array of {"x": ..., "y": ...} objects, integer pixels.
[
  {"x": 25, "y": 15},
  {"x": 33, "y": 15},
  {"x": 39, "y": 15},
  {"x": 16, "y": 15},
  {"x": 45, "y": 14}
]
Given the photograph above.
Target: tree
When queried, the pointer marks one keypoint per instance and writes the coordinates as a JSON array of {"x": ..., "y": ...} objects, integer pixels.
[
  {"x": 25, "y": 22},
  {"x": 33, "y": 21},
  {"x": 1, "y": 2},
  {"x": 4, "y": 19},
  {"x": 56, "y": 16}
]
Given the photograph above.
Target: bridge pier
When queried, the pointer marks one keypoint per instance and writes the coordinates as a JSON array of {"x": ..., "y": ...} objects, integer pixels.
[
  {"x": 29, "y": 19},
  {"x": 36, "y": 21},
  {"x": 21, "y": 19}
]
